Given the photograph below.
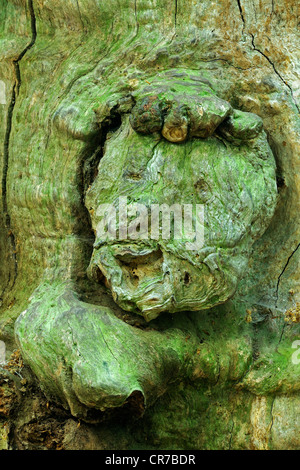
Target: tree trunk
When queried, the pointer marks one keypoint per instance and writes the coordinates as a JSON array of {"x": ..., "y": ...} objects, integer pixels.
[{"x": 81, "y": 371}]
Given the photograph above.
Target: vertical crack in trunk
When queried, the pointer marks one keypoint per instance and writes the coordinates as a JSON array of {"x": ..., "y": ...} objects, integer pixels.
[
  {"x": 241, "y": 13},
  {"x": 14, "y": 95},
  {"x": 282, "y": 272},
  {"x": 175, "y": 15}
]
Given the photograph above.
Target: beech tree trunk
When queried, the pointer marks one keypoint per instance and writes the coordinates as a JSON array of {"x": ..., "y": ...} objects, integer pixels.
[{"x": 222, "y": 378}]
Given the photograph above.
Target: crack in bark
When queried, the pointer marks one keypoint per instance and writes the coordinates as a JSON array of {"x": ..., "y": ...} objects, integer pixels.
[
  {"x": 14, "y": 95},
  {"x": 241, "y": 14},
  {"x": 275, "y": 70},
  {"x": 262, "y": 53},
  {"x": 282, "y": 272},
  {"x": 272, "y": 8}
]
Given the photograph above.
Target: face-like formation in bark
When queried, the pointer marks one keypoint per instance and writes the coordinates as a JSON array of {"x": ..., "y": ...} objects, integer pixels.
[{"x": 181, "y": 146}]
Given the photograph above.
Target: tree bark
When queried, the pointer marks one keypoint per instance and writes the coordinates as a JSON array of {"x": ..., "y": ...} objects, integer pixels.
[{"x": 223, "y": 378}]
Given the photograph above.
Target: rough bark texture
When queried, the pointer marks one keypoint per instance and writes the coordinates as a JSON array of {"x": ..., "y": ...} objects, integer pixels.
[{"x": 223, "y": 378}]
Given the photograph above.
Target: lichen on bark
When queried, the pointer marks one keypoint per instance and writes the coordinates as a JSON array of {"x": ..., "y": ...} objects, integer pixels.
[{"x": 225, "y": 377}]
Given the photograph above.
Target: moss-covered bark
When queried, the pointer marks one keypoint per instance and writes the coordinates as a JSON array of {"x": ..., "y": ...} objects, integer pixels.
[{"x": 66, "y": 68}]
